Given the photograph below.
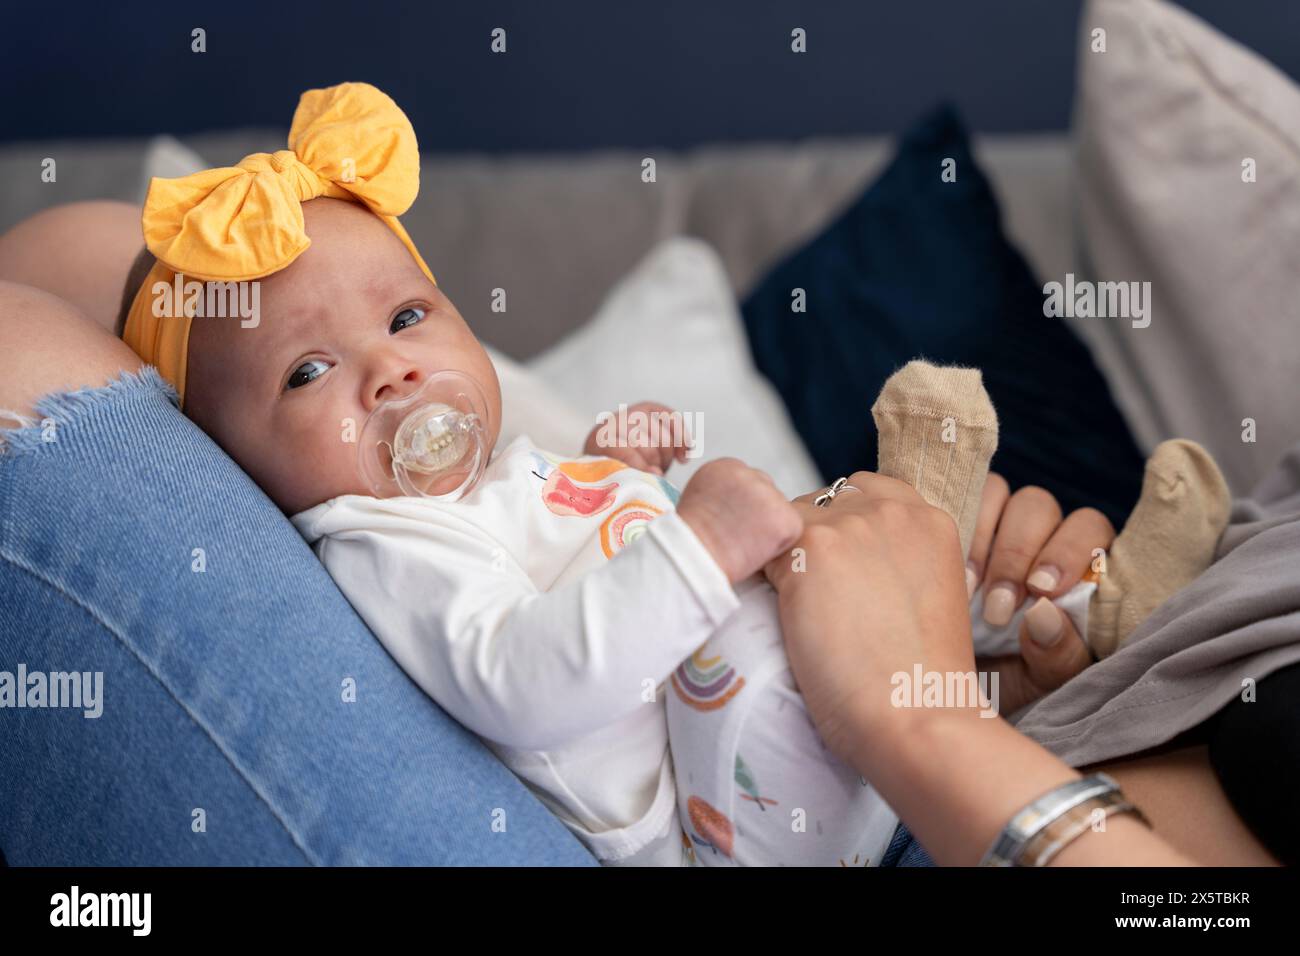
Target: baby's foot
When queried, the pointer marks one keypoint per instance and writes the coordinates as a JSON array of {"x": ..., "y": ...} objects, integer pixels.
[
  {"x": 938, "y": 432},
  {"x": 1168, "y": 540}
]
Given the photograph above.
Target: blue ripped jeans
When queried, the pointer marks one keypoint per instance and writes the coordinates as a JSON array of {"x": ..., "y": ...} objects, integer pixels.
[{"x": 246, "y": 714}]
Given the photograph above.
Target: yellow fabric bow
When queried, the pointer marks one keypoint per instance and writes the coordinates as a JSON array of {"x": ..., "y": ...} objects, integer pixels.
[{"x": 245, "y": 222}]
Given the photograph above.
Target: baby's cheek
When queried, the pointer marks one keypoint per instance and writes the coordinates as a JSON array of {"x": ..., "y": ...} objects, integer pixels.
[
  {"x": 307, "y": 466},
  {"x": 334, "y": 450}
]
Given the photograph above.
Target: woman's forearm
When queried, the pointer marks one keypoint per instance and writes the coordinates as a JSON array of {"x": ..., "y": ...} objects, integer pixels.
[{"x": 956, "y": 779}]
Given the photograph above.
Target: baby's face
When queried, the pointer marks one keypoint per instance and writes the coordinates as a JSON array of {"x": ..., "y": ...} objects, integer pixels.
[{"x": 352, "y": 323}]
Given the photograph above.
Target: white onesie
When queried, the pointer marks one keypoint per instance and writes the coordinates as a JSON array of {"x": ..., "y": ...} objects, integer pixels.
[
  {"x": 523, "y": 613},
  {"x": 526, "y": 612}
]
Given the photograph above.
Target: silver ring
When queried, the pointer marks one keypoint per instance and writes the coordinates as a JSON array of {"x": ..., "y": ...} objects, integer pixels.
[{"x": 826, "y": 497}]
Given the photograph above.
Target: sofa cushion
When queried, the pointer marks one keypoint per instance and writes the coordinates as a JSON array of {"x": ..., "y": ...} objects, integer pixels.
[{"x": 1165, "y": 119}]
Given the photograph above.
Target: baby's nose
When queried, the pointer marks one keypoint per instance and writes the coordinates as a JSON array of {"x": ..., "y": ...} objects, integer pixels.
[{"x": 392, "y": 386}]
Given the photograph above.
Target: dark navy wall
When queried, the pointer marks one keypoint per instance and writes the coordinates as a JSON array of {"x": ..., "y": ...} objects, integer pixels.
[{"x": 577, "y": 74}]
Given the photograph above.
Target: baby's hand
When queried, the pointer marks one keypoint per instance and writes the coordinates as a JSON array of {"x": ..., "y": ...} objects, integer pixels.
[
  {"x": 739, "y": 515},
  {"x": 649, "y": 437}
]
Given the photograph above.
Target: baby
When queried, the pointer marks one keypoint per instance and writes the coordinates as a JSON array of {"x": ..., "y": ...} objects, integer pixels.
[{"x": 607, "y": 636}]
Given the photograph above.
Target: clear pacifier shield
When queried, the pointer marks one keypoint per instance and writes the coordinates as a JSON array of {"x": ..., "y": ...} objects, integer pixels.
[{"x": 432, "y": 443}]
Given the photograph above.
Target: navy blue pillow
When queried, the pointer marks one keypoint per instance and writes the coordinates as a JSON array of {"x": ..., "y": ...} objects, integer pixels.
[{"x": 918, "y": 267}]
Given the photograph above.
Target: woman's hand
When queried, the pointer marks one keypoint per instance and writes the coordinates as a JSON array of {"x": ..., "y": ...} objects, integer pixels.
[
  {"x": 1022, "y": 547},
  {"x": 874, "y": 587}
]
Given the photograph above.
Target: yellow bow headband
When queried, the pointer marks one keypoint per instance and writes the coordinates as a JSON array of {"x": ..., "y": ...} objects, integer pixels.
[{"x": 244, "y": 222}]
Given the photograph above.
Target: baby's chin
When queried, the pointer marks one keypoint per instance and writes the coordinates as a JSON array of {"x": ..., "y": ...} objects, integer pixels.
[{"x": 294, "y": 500}]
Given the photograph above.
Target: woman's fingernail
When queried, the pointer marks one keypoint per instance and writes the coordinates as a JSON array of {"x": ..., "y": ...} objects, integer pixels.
[
  {"x": 1000, "y": 604},
  {"x": 972, "y": 581},
  {"x": 1045, "y": 623},
  {"x": 1046, "y": 578}
]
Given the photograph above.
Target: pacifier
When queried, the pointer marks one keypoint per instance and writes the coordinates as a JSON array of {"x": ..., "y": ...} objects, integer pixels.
[{"x": 430, "y": 444}]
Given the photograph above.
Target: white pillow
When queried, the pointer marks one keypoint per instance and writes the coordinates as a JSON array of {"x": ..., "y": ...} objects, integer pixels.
[
  {"x": 531, "y": 407},
  {"x": 1164, "y": 119},
  {"x": 671, "y": 332}
]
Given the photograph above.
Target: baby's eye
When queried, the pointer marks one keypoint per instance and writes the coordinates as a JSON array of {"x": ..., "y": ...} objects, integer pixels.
[
  {"x": 405, "y": 318},
  {"x": 306, "y": 372}
]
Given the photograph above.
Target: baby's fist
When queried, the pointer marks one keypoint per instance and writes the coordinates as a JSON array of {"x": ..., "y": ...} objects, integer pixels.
[{"x": 739, "y": 516}]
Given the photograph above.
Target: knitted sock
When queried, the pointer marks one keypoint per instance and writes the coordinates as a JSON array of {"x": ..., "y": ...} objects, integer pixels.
[
  {"x": 938, "y": 431},
  {"x": 1168, "y": 540}
]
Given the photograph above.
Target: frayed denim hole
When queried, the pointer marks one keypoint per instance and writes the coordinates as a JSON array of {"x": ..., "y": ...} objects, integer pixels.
[{"x": 62, "y": 408}]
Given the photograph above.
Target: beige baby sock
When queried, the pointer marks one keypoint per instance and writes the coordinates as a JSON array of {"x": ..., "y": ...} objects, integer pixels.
[
  {"x": 1168, "y": 540},
  {"x": 938, "y": 431}
]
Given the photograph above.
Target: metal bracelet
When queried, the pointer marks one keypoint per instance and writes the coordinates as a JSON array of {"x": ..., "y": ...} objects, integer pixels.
[
  {"x": 1029, "y": 822},
  {"x": 1073, "y": 824}
]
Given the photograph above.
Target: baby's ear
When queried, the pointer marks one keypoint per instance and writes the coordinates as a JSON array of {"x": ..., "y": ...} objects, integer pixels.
[{"x": 144, "y": 261}]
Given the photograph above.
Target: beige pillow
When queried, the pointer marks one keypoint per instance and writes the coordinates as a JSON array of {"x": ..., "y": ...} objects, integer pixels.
[{"x": 1165, "y": 119}]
